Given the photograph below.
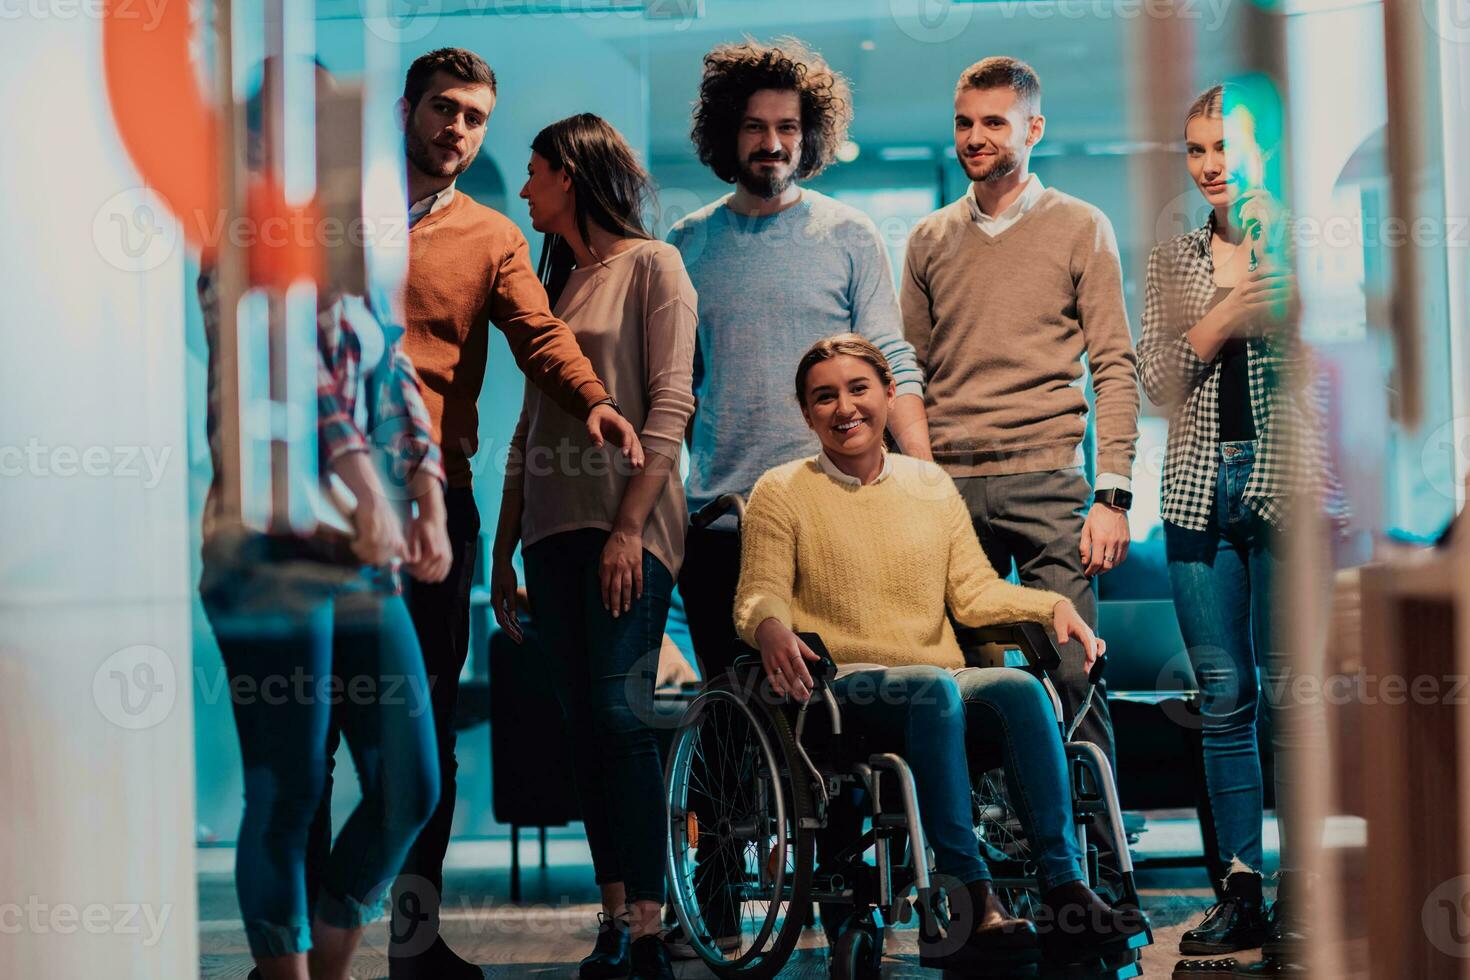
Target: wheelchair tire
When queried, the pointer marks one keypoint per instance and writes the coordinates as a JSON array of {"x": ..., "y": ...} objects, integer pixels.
[
  {"x": 782, "y": 850},
  {"x": 858, "y": 954}
]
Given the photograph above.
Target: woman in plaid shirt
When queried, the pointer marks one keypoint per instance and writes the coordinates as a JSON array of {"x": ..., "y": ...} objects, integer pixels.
[{"x": 1220, "y": 352}]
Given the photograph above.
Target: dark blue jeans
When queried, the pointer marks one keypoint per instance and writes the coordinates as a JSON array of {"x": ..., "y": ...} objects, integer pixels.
[
  {"x": 604, "y": 670},
  {"x": 1222, "y": 580},
  {"x": 301, "y": 641},
  {"x": 931, "y": 715}
]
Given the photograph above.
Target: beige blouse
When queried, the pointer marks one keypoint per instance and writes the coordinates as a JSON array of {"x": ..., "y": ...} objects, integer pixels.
[{"x": 634, "y": 317}]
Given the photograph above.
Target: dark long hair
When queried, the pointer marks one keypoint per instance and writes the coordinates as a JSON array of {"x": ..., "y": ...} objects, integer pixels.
[{"x": 612, "y": 187}]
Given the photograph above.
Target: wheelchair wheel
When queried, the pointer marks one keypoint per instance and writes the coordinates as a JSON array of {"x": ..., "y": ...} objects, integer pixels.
[
  {"x": 1003, "y": 843},
  {"x": 741, "y": 837},
  {"x": 858, "y": 953}
]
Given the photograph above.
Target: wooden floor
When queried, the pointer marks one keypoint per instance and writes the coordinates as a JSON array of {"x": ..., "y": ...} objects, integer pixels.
[{"x": 553, "y": 927}]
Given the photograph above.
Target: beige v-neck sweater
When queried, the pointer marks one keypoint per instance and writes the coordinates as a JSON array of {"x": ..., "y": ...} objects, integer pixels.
[{"x": 1000, "y": 324}]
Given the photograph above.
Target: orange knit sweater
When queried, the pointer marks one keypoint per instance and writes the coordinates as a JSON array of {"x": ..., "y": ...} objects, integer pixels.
[{"x": 469, "y": 266}]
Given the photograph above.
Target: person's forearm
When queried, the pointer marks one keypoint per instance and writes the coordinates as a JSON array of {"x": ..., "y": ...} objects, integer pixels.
[
  {"x": 356, "y": 470},
  {"x": 643, "y": 492},
  {"x": 909, "y": 424},
  {"x": 1210, "y": 334},
  {"x": 508, "y": 526},
  {"x": 427, "y": 491}
]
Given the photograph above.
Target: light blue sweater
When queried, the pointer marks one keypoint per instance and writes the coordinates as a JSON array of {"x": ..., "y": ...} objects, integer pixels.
[{"x": 768, "y": 289}]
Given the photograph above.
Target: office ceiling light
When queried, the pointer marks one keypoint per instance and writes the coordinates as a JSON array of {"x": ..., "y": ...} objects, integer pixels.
[{"x": 903, "y": 154}]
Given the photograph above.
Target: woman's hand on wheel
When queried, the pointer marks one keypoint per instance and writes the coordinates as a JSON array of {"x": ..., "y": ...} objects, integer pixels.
[
  {"x": 1069, "y": 624},
  {"x": 504, "y": 597},
  {"x": 784, "y": 657}
]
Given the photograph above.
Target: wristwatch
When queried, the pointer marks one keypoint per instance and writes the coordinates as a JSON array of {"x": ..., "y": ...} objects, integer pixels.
[
  {"x": 1114, "y": 497},
  {"x": 610, "y": 400}
]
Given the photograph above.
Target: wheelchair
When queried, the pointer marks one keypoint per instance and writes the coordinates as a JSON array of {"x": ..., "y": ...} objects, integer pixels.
[{"x": 753, "y": 779}]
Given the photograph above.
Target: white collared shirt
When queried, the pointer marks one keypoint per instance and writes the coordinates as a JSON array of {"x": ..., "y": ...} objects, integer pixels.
[
  {"x": 434, "y": 202},
  {"x": 994, "y": 225},
  {"x": 830, "y": 468}
]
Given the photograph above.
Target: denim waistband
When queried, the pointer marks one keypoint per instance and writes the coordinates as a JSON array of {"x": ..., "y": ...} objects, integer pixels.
[{"x": 1238, "y": 451}]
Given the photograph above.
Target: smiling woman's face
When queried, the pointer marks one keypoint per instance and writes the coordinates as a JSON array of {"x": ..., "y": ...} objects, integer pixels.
[{"x": 846, "y": 405}]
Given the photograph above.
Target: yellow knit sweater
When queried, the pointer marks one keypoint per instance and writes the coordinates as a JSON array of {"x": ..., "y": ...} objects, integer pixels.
[{"x": 872, "y": 568}]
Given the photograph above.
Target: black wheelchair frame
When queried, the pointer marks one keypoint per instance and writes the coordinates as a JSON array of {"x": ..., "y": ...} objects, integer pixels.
[{"x": 773, "y": 837}]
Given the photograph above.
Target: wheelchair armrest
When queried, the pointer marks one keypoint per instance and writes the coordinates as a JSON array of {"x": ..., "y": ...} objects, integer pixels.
[
  {"x": 717, "y": 508},
  {"x": 822, "y": 669},
  {"x": 1032, "y": 639}
]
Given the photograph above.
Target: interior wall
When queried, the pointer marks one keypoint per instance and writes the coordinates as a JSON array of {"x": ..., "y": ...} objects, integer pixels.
[{"x": 96, "y": 747}]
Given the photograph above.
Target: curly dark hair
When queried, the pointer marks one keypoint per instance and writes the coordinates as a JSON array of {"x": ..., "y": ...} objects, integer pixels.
[{"x": 733, "y": 72}]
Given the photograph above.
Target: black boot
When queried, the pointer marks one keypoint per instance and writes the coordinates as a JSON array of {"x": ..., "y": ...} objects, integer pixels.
[
  {"x": 650, "y": 959},
  {"x": 993, "y": 939},
  {"x": 1286, "y": 938},
  {"x": 1075, "y": 925},
  {"x": 1236, "y": 922},
  {"x": 1270, "y": 966},
  {"x": 609, "y": 957},
  {"x": 438, "y": 962},
  {"x": 1204, "y": 969}
]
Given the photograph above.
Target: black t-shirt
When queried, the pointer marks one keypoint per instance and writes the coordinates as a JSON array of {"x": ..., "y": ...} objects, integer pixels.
[{"x": 1236, "y": 421}]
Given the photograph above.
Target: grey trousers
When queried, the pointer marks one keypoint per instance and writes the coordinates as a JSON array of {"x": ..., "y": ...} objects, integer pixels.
[{"x": 1035, "y": 520}]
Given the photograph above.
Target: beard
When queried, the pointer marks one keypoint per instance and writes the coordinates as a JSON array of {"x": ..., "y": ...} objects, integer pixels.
[
  {"x": 1003, "y": 164},
  {"x": 420, "y": 154},
  {"x": 765, "y": 184}
]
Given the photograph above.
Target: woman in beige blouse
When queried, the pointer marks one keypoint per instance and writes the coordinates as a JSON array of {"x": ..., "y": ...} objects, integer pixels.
[{"x": 602, "y": 542}]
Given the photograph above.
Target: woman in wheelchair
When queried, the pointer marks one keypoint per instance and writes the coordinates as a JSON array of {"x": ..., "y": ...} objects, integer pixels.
[{"x": 869, "y": 550}]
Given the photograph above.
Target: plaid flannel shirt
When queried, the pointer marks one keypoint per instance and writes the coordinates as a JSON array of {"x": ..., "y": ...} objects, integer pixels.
[
  {"x": 375, "y": 408},
  {"x": 1286, "y": 397}
]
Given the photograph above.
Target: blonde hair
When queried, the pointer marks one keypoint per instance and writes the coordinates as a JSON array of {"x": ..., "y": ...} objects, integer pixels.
[{"x": 1210, "y": 103}]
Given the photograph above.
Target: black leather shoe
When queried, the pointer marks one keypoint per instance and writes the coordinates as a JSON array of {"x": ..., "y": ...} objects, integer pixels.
[
  {"x": 1270, "y": 966},
  {"x": 438, "y": 962},
  {"x": 995, "y": 940},
  {"x": 1204, "y": 969},
  {"x": 609, "y": 956},
  {"x": 1236, "y": 922},
  {"x": 650, "y": 958},
  {"x": 1076, "y": 925},
  {"x": 1287, "y": 936}
]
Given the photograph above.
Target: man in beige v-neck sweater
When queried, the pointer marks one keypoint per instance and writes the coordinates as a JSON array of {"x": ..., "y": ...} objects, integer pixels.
[{"x": 1003, "y": 293}]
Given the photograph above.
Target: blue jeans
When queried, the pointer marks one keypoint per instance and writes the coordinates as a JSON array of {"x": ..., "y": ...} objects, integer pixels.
[
  {"x": 301, "y": 642},
  {"x": 934, "y": 714},
  {"x": 604, "y": 671},
  {"x": 1222, "y": 581}
]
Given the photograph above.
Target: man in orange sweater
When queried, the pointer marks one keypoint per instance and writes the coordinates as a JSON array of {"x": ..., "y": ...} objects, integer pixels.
[{"x": 469, "y": 267}]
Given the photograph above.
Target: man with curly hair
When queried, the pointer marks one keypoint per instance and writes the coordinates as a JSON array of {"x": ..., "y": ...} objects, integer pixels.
[
  {"x": 777, "y": 267},
  {"x": 1003, "y": 293}
]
